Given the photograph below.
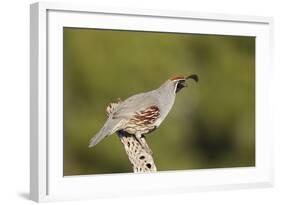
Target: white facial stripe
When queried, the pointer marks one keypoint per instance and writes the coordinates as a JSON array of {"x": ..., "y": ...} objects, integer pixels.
[{"x": 176, "y": 85}]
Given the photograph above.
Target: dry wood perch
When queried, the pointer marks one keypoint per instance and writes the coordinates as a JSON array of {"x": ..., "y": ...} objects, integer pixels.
[{"x": 140, "y": 158}]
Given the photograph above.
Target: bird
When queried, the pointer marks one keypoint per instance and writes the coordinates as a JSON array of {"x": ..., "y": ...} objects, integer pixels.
[{"x": 142, "y": 113}]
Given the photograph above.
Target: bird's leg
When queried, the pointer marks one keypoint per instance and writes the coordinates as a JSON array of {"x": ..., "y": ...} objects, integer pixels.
[{"x": 142, "y": 141}]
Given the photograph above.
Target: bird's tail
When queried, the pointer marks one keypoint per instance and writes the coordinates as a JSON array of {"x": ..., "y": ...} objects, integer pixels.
[{"x": 109, "y": 128}]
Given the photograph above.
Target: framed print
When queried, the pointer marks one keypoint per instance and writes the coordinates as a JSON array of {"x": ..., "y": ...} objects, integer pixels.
[{"x": 130, "y": 101}]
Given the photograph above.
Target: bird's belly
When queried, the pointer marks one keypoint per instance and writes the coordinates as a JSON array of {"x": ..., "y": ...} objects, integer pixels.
[
  {"x": 166, "y": 106},
  {"x": 141, "y": 128},
  {"x": 158, "y": 122},
  {"x": 163, "y": 115}
]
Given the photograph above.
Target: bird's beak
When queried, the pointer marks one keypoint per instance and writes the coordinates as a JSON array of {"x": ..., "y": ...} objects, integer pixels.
[{"x": 183, "y": 83}]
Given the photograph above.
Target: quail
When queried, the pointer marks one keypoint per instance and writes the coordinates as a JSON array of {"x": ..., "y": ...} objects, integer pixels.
[{"x": 142, "y": 113}]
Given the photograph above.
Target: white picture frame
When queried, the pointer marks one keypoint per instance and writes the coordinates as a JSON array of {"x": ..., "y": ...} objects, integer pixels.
[{"x": 46, "y": 177}]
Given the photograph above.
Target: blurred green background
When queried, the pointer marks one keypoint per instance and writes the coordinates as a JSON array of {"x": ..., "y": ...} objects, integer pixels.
[{"x": 212, "y": 124}]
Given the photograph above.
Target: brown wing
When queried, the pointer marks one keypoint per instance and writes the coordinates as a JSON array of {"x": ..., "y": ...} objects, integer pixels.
[{"x": 146, "y": 116}]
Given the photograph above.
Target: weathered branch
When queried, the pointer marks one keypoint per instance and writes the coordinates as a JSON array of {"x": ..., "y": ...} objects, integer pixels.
[{"x": 140, "y": 158}]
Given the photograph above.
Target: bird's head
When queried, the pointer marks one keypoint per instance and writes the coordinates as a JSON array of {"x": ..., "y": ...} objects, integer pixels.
[{"x": 180, "y": 82}]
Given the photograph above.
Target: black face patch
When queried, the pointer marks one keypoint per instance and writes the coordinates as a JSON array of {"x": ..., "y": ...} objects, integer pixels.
[{"x": 180, "y": 85}]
